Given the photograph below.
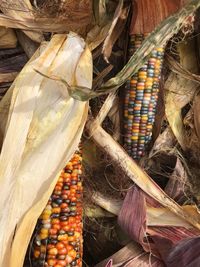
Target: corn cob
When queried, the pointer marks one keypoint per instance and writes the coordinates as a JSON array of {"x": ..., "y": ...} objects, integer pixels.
[
  {"x": 141, "y": 100},
  {"x": 58, "y": 241}
]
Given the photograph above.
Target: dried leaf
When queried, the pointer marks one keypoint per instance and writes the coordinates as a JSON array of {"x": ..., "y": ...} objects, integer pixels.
[
  {"x": 136, "y": 174},
  {"x": 131, "y": 255},
  {"x": 162, "y": 217},
  {"x": 118, "y": 24},
  {"x": 182, "y": 70},
  {"x": 166, "y": 238},
  {"x": 155, "y": 215},
  {"x": 181, "y": 88},
  {"x": 164, "y": 142},
  {"x": 48, "y": 17},
  {"x": 188, "y": 57},
  {"x": 179, "y": 92},
  {"x": 97, "y": 35},
  {"x": 109, "y": 264},
  {"x": 8, "y": 77},
  {"x": 185, "y": 253},
  {"x": 148, "y": 14},
  {"x": 7, "y": 38},
  {"x": 100, "y": 11},
  {"x": 133, "y": 219},
  {"x": 178, "y": 183},
  {"x": 22, "y": 10}
]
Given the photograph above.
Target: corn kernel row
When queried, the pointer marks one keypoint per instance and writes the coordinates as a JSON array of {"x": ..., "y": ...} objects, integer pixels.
[
  {"x": 141, "y": 101},
  {"x": 58, "y": 241}
]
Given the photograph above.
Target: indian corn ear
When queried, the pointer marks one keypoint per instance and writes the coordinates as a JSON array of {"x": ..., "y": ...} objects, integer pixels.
[
  {"x": 58, "y": 239},
  {"x": 141, "y": 101},
  {"x": 47, "y": 124}
]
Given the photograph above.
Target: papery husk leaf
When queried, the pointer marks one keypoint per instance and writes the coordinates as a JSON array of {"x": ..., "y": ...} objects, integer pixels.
[
  {"x": 148, "y": 14},
  {"x": 104, "y": 22},
  {"x": 165, "y": 238},
  {"x": 131, "y": 255},
  {"x": 188, "y": 55},
  {"x": 97, "y": 35},
  {"x": 178, "y": 183},
  {"x": 99, "y": 11},
  {"x": 165, "y": 142},
  {"x": 163, "y": 217},
  {"x": 180, "y": 89},
  {"x": 7, "y": 38},
  {"x": 20, "y": 10},
  {"x": 179, "y": 92},
  {"x": 47, "y": 124},
  {"x": 8, "y": 77},
  {"x": 185, "y": 253},
  {"x": 184, "y": 69},
  {"x": 105, "y": 109},
  {"x": 155, "y": 216},
  {"x": 6, "y": 101},
  {"x": 62, "y": 17},
  {"x": 118, "y": 24},
  {"x": 132, "y": 218},
  {"x": 136, "y": 174},
  {"x": 111, "y": 205}
]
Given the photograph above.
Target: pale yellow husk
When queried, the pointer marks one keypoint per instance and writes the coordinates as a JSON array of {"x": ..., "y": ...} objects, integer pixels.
[
  {"x": 43, "y": 130},
  {"x": 8, "y": 38},
  {"x": 34, "y": 18},
  {"x": 180, "y": 91}
]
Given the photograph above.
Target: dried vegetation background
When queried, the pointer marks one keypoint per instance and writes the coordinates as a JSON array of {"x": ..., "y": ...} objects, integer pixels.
[{"x": 142, "y": 213}]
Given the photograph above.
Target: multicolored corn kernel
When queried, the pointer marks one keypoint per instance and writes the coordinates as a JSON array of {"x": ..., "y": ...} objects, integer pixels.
[
  {"x": 141, "y": 101},
  {"x": 58, "y": 242}
]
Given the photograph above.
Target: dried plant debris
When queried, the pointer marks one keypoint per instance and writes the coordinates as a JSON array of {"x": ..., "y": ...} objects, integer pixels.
[
  {"x": 143, "y": 213},
  {"x": 7, "y": 38},
  {"x": 47, "y": 16}
]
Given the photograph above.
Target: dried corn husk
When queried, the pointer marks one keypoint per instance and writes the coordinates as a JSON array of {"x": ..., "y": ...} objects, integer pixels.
[
  {"x": 131, "y": 255},
  {"x": 46, "y": 16},
  {"x": 44, "y": 127},
  {"x": 155, "y": 216},
  {"x": 180, "y": 90},
  {"x": 20, "y": 11},
  {"x": 7, "y": 38}
]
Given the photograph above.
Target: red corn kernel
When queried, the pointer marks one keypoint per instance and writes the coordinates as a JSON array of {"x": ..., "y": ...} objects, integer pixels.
[
  {"x": 62, "y": 251},
  {"x": 53, "y": 231},
  {"x": 60, "y": 245}
]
